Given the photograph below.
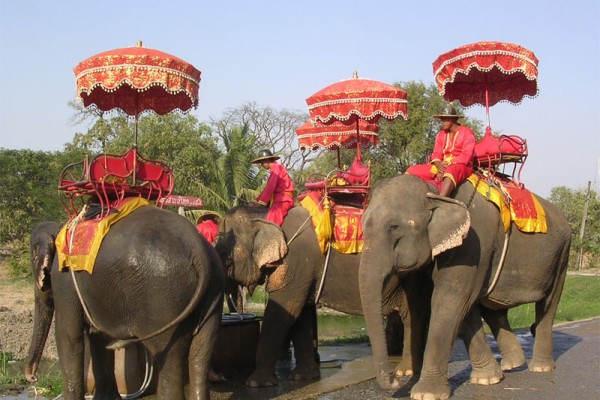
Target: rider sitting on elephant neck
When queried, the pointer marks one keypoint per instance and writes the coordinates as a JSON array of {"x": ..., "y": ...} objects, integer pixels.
[
  {"x": 279, "y": 191},
  {"x": 452, "y": 156}
]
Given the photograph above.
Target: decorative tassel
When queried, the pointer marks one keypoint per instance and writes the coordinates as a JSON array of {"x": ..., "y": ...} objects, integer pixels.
[{"x": 324, "y": 228}]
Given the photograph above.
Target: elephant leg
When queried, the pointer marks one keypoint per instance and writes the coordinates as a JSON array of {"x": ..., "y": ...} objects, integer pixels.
[
  {"x": 200, "y": 356},
  {"x": 280, "y": 314},
  {"x": 545, "y": 311},
  {"x": 415, "y": 312},
  {"x": 302, "y": 333},
  {"x": 172, "y": 367},
  {"x": 394, "y": 334},
  {"x": 103, "y": 367},
  {"x": 485, "y": 368},
  {"x": 512, "y": 353},
  {"x": 452, "y": 293},
  {"x": 70, "y": 347}
]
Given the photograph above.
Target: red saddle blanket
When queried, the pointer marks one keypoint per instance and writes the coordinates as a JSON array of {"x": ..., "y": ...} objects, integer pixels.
[
  {"x": 78, "y": 242},
  {"x": 516, "y": 204},
  {"x": 344, "y": 232}
]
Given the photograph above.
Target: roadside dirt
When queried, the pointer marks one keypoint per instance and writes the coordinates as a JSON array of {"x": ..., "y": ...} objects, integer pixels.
[{"x": 16, "y": 317}]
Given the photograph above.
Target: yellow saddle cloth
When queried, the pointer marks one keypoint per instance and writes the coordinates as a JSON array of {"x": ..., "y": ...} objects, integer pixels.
[
  {"x": 346, "y": 234},
  {"x": 516, "y": 204},
  {"x": 78, "y": 242}
]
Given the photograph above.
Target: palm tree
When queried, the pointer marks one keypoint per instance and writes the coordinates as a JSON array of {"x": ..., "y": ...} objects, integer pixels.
[{"x": 236, "y": 177}]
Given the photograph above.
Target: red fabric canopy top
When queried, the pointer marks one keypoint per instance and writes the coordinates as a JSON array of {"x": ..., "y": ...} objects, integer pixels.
[
  {"x": 357, "y": 99},
  {"x": 137, "y": 79},
  {"x": 502, "y": 71},
  {"x": 335, "y": 135}
]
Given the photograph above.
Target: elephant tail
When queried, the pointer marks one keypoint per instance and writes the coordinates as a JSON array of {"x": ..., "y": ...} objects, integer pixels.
[{"x": 200, "y": 289}]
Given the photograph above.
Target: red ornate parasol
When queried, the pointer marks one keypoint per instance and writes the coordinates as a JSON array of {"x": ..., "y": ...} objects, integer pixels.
[
  {"x": 486, "y": 73},
  {"x": 137, "y": 79},
  {"x": 134, "y": 80},
  {"x": 352, "y": 100},
  {"x": 357, "y": 99},
  {"x": 335, "y": 135}
]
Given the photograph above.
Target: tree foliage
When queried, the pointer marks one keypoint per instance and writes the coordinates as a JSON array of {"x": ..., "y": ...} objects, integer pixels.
[
  {"x": 571, "y": 203},
  {"x": 28, "y": 191},
  {"x": 273, "y": 129}
]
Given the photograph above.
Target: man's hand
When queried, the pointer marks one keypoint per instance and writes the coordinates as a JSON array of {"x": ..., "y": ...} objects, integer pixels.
[{"x": 254, "y": 204}]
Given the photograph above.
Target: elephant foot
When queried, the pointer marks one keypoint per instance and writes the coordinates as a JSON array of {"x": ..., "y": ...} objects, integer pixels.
[
  {"x": 299, "y": 373},
  {"x": 430, "y": 390},
  {"x": 385, "y": 383},
  {"x": 487, "y": 376},
  {"x": 258, "y": 379},
  {"x": 406, "y": 367},
  {"x": 216, "y": 377},
  {"x": 512, "y": 360},
  {"x": 30, "y": 373},
  {"x": 541, "y": 365}
]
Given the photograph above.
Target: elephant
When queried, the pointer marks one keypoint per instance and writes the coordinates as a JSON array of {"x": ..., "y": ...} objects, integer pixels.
[
  {"x": 155, "y": 280},
  {"x": 408, "y": 228},
  {"x": 289, "y": 260}
]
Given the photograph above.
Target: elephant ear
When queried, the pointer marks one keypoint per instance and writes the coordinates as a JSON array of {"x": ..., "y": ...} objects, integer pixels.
[
  {"x": 42, "y": 258},
  {"x": 269, "y": 244},
  {"x": 449, "y": 224}
]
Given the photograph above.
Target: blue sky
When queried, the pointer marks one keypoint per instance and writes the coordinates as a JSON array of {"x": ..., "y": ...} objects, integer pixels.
[{"x": 277, "y": 53}]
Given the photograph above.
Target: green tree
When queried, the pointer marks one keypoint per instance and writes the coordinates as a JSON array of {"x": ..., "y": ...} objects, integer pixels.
[
  {"x": 571, "y": 203},
  {"x": 236, "y": 176},
  {"x": 28, "y": 191},
  {"x": 273, "y": 129}
]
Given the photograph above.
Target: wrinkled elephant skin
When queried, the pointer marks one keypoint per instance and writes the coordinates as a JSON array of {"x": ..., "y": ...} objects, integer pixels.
[
  {"x": 154, "y": 277},
  {"x": 406, "y": 227},
  {"x": 290, "y": 261}
]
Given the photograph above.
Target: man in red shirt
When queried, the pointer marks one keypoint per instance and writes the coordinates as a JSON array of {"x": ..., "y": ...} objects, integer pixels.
[
  {"x": 208, "y": 226},
  {"x": 279, "y": 191},
  {"x": 452, "y": 157}
]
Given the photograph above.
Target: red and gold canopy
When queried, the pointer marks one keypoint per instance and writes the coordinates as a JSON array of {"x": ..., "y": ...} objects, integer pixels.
[
  {"x": 137, "y": 79},
  {"x": 486, "y": 73},
  {"x": 357, "y": 99},
  {"x": 336, "y": 135}
]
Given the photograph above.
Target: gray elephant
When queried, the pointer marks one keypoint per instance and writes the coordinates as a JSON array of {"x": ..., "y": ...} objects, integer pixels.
[
  {"x": 155, "y": 280},
  {"x": 290, "y": 261},
  {"x": 406, "y": 227}
]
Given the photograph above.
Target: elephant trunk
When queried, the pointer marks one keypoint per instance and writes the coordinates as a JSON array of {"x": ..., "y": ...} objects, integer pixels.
[
  {"x": 44, "y": 312},
  {"x": 371, "y": 280}
]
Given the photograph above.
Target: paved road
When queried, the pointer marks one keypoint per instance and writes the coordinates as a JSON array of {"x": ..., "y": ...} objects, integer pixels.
[
  {"x": 577, "y": 376},
  {"x": 350, "y": 374}
]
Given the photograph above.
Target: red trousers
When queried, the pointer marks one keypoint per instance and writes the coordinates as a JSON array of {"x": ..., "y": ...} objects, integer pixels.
[
  {"x": 279, "y": 210},
  {"x": 457, "y": 172}
]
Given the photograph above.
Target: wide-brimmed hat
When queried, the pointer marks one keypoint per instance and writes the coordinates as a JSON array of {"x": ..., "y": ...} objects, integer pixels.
[
  {"x": 263, "y": 155},
  {"x": 202, "y": 215},
  {"x": 448, "y": 112}
]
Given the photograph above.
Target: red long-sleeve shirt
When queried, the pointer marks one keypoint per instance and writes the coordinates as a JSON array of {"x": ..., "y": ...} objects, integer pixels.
[
  {"x": 278, "y": 185},
  {"x": 458, "y": 149}
]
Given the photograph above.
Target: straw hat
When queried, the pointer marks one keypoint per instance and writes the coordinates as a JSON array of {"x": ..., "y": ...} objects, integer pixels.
[
  {"x": 448, "y": 112},
  {"x": 263, "y": 155}
]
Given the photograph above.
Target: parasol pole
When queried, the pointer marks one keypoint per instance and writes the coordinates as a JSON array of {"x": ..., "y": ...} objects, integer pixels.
[
  {"x": 487, "y": 106},
  {"x": 358, "y": 141},
  {"x": 135, "y": 141}
]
